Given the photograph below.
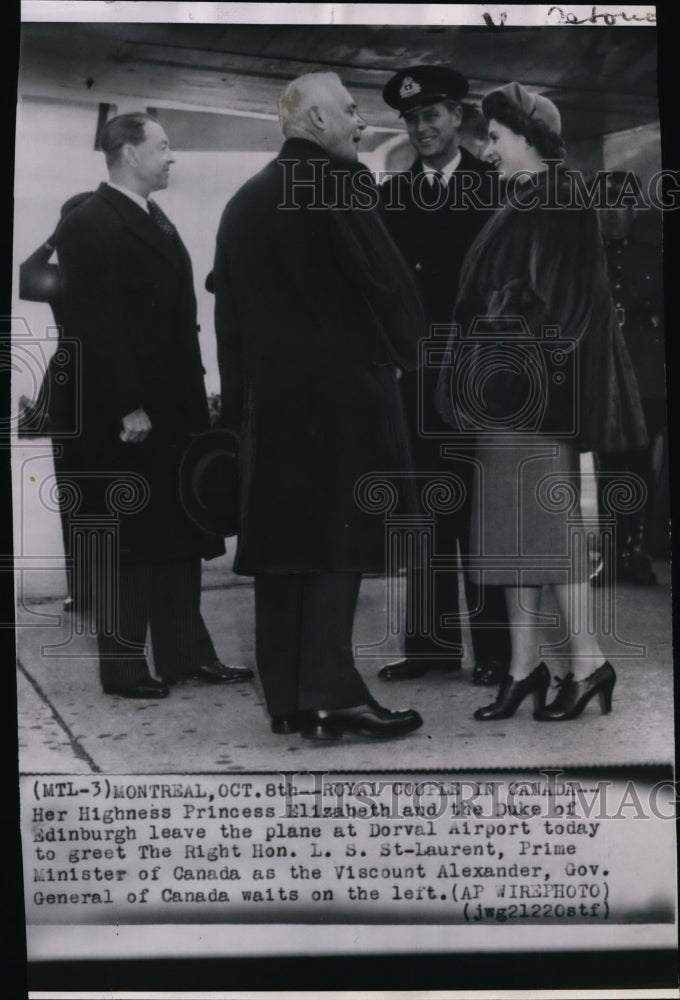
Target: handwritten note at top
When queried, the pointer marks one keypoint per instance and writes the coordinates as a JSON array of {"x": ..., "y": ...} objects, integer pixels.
[{"x": 574, "y": 15}]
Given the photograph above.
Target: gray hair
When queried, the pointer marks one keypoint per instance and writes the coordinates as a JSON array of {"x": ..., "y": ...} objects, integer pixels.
[{"x": 298, "y": 97}]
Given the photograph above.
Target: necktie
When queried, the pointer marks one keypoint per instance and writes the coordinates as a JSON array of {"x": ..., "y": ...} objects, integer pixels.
[
  {"x": 436, "y": 177},
  {"x": 160, "y": 219}
]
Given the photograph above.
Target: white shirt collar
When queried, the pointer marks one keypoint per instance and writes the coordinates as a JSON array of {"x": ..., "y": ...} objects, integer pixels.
[
  {"x": 447, "y": 170},
  {"x": 132, "y": 195}
]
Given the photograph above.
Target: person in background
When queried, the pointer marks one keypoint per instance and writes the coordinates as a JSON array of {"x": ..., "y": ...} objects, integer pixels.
[
  {"x": 53, "y": 413},
  {"x": 635, "y": 275}
]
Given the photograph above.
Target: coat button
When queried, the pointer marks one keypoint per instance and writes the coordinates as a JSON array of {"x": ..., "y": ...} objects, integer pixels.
[{"x": 419, "y": 266}]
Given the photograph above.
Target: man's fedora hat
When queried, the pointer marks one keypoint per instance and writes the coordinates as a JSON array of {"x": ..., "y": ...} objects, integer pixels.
[
  {"x": 209, "y": 482},
  {"x": 419, "y": 86}
]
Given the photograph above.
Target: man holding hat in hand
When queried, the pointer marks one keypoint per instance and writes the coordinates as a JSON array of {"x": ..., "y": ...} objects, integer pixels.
[
  {"x": 127, "y": 298},
  {"x": 434, "y": 212}
]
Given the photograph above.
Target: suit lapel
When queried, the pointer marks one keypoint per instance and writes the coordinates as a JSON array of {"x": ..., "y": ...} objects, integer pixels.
[{"x": 141, "y": 224}]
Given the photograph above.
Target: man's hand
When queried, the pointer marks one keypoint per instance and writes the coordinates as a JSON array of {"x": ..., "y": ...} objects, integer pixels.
[{"x": 136, "y": 427}]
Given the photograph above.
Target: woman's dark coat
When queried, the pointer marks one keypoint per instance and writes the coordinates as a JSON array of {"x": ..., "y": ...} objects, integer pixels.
[{"x": 544, "y": 267}]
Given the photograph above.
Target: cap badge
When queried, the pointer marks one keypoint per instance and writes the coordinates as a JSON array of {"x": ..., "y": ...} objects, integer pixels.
[{"x": 409, "y": 87}]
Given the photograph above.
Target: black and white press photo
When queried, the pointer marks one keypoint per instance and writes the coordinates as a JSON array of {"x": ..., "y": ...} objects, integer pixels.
[{"x": 340, "y": 481}]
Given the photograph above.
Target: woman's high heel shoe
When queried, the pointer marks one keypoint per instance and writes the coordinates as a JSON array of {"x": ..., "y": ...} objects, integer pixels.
[
  {"x": 512, "y": 693},
  {"x": 573, "y": 696}
]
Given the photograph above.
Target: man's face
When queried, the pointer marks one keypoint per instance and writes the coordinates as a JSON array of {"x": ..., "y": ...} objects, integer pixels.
[
  {"x": 433, "y": 131},
  {"x": 343, "y": 122},
  {"x": 151, "y": 159},
  {"x": 616, "y": 223},
  {"x": 507, "y": 151}
]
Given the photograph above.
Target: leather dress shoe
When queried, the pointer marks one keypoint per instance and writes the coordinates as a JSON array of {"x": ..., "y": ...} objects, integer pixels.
[
  {"x": 218, "y": 673},
  {"x": 370, "y": 719},
  {"x": 490, "y": 673},
  {"x": 415, "y": 666},
  {"x": 283, "y": 725},
  {"x": 512, "y": 693},
  {"x": 143, "y": 689},
  {"x": 573, "y": 696}
]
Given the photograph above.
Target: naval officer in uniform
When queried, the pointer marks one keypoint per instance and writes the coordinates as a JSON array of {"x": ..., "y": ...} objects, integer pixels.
[{"x": 434, "y": 211}]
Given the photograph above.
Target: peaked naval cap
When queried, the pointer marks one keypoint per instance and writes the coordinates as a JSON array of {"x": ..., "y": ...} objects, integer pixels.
[{"x": 419, "y": 86}]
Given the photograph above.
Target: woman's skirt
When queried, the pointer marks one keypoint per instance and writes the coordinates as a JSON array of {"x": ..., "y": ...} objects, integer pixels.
[{"x": 527, "y": 528}]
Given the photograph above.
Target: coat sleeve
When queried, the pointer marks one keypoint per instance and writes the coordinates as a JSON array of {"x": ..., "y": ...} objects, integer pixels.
[
  {"x": 228, "y": 333},
  {"x": 94, "y": 312}
]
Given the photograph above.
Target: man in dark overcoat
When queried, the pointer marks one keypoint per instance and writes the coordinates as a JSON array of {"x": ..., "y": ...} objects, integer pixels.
[
  {"x": 634, "y": 266},
  {"x": 128, "y": 300},
  {"x": 434, "y": 211},
  {"x": 314, "y": 312}
]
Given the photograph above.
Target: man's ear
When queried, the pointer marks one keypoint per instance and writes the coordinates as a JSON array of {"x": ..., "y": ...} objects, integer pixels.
[
  {"x": 129, "y": 154},
  {"x": 316, "y": 117}
]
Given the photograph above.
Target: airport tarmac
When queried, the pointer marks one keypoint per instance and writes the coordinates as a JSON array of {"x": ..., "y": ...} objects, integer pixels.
[{"x": 68, "y": 725}]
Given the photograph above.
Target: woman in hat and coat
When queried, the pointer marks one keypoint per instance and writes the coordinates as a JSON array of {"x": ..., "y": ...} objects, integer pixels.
[{"x": 539, "y": 374}]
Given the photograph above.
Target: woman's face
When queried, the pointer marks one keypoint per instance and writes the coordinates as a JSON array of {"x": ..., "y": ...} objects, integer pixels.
[{"x": 508, "y": 151}]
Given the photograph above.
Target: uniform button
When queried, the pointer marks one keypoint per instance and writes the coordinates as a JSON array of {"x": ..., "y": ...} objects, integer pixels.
[{"x": 419, "y": 266}]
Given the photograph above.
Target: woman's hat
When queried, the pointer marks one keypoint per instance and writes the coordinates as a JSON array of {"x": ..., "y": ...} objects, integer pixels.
[
  {"x": 532, "y": 105},
  {"x": 209, "y": 482}
]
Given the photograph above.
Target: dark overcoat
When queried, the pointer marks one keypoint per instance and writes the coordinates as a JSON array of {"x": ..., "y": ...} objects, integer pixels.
[
  {"x": 128, "y": 301},
  {"x": 635, "y": 271},
  {"x": 434, "y": 242},
  {"x": 314, "y": 311},
  {"x": 541, "y": 260}
]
